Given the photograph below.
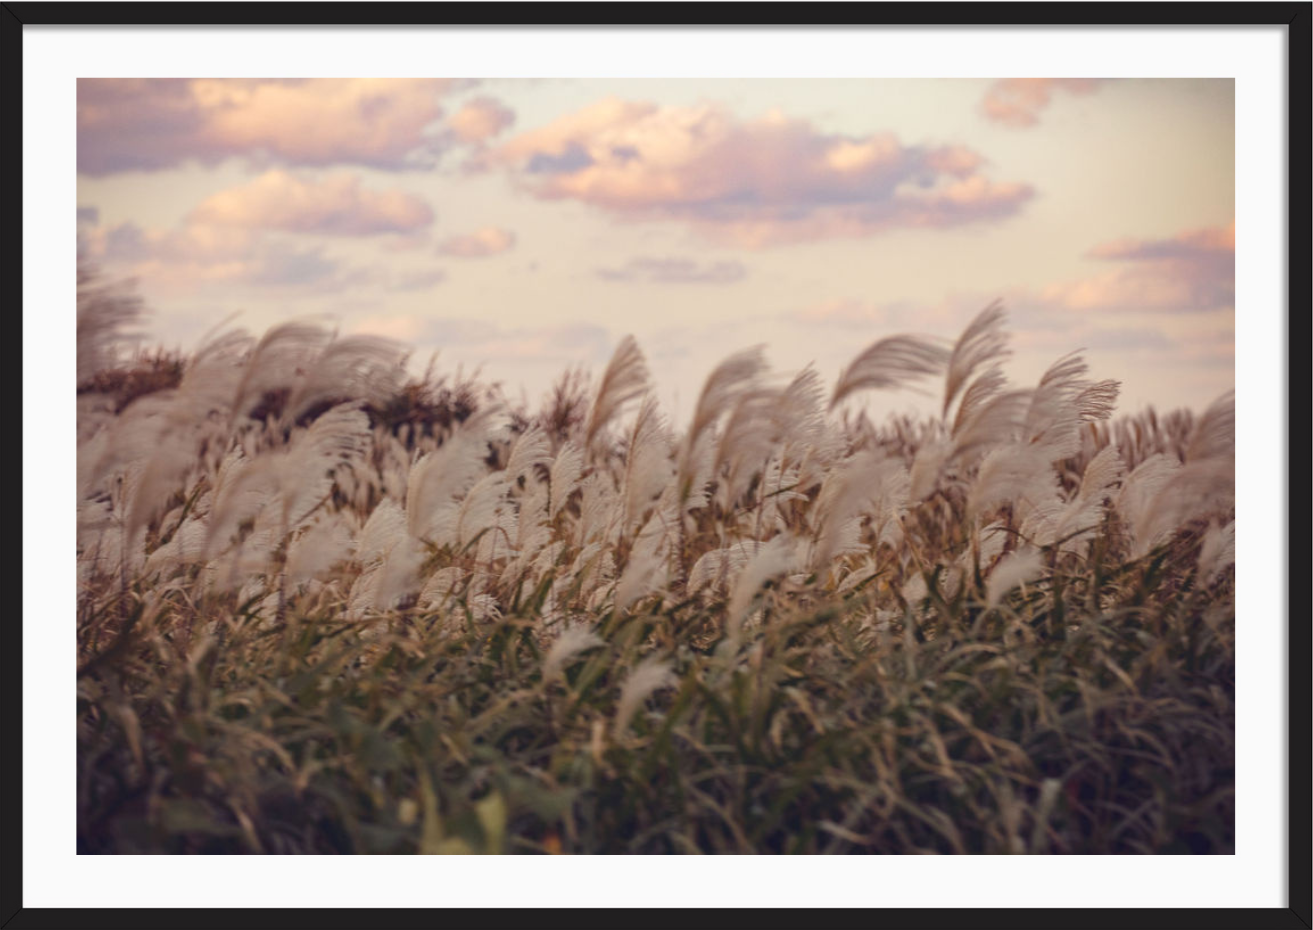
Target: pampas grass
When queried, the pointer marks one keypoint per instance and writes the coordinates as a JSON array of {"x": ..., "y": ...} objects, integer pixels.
[{"x": 304, "y": 615}]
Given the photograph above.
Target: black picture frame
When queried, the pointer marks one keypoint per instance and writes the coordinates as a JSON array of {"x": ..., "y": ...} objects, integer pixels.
[{"x": 1294, "y": 18}]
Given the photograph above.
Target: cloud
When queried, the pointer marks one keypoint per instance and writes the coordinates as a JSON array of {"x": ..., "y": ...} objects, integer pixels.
[
  {"x": 674, "y": 271},
  {"x": 1214, "y": 243},
  {"x": 1161, "y": 318},
  {"x": 1017, "y": 102},
  {"x": 130, "y": 243},
  {"x": 335, "y": 206},
  {"x": 480, "y": 119},
  {"x": 88, "y": 215},
  {"x": 479, "y": 244},
  {"x": 1192, "y": 272},
  {"x": 752, "y": 183},
  {"x": 150, "y": 124},
  {"x": 191, "y": 256}
]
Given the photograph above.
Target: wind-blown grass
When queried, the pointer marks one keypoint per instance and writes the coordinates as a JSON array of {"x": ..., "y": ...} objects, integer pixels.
[{"x": 321, "y": 610}]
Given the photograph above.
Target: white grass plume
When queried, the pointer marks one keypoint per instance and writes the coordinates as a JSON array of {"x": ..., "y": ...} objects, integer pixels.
[
  {"x": 592, "y": 569},
  {"x": 802, "y": 410},
  {"x": 296, "y": 480},
  {"x": 564, "y": 476},
  {"x": 597, "y": 506},
  {"x": 1139, "y": 490},
  {"x": 485, "y": 509},
  {"x": 648, "y": 468},
  {"x": 978, "y": 393},
  {"x": 889, "y": 363},
  {"x": 648, "y": 677},
  {"x": 779, "y": 486},
  {"x": 1099, "y": 400},
  {"x": 722, "y": 389},
  {"x": 914, "y": 589},
  {"x": 1011, "y": 474},
  {"x": 927, "y": 467},
  {"x": 1217, "y": 552},
  {"x": 383, "y": 530},
  {"x": 438, "y": 480},
  {"x": 1102, "y": 472},
  {"x": 1197, "y": 489},
  {"x": 646, "y": 571},
  {"x": 984, "y": 343},
  {"x": 1053, "y": 419},
  {"x": 440, "y": 586},
  {"x": 532, "y": 448},
  {"x": 990, "y": 541},
  {"x": 249, "y": 558},
  {"x": 364, "y": 368},
  {"x": 131, "y": 438},
  {"x": 694, "y": 477},
  {"x": 211, "y": 374},
  {"x": 861, "y": 573},
  {"x": 810, "y": 447},
  {"x": 1015, "y": 568},
  {"x": 326, "y": 542},
  {"x": 1077, "y": 520},
  {"x": 163, "y": 474},
  {"x": 753, "y": 430},
  {"x": 394, "y": 576},
  {"x": 717, "y": 566},
  {"x": 573, "y": 642},
  {"x": 867, "y": 484},
  {"x": 774, "y": 558},
  {"x": 532, "y": 533},
  {"x": 105, "y": 313},
  {"x": 339, "y": 436},
  {"x": 625, "y": 380},
  {"x": 185, "y": 547},
  {"x": 995, "y": 422},
  {"x": 177, "y": 430},
  {"x": 273, "y": 363},
  {"x": 1214, "y": 435},
  {"x": 242, "y": 490}
]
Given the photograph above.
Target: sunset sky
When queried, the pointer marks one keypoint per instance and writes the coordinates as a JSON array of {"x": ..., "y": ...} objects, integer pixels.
[{"x": 525, "y": 226}]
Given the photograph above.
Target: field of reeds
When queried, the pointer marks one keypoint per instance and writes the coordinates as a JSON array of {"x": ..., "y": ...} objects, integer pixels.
[{"x": 327, "y": 607}]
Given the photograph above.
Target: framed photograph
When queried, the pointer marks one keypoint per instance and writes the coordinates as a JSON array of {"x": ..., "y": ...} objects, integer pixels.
[{"x": 558, "y": 438}]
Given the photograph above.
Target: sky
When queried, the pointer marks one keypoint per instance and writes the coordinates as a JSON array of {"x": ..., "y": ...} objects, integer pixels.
[{"x": 521, "y": 227}]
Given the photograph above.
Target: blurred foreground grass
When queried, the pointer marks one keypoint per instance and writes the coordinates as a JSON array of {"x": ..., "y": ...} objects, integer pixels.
[{"x": 1079, "y": 716}]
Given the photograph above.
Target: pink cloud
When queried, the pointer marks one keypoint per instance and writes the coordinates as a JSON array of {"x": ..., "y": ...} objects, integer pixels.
[
  {"x": 189, "y": 257},
  {"x": 480, "y": 119},
  {"x": 1217, "y": 242},
  {"x": 335, "y": 205},
  {"x": 149, "y": 124},
  {"x": 1177, "y": 292},
  {"x": 1193, "y": 271},
  {"x": 756, "y": 182},
  {"x": 128, "y": 242},
  {"x": 1017, "y": 102},
  {"x": 479, "y": 244}
]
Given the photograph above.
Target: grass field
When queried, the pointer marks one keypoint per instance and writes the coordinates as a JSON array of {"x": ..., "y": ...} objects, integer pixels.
[{"x": 327, "y": 608}]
